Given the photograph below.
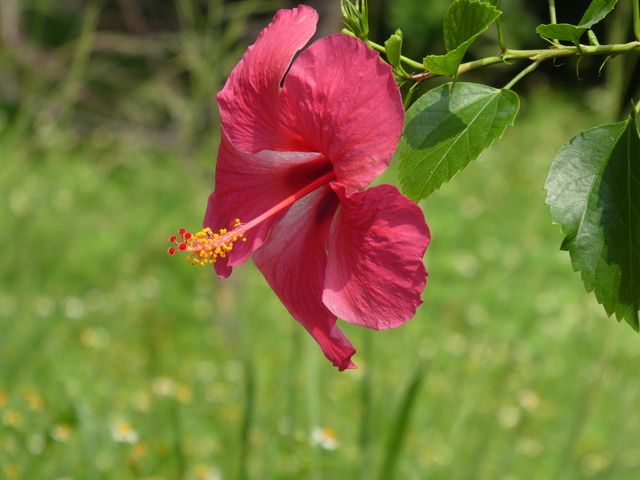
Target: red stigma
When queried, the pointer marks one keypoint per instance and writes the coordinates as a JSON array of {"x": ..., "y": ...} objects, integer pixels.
[{"x": 180, "y": 241}]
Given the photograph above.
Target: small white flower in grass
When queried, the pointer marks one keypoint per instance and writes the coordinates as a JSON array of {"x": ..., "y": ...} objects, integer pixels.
[
  {"x": 204, "y": 472},
  {"x": 61, "y": 432},
  {"x": 122, "y": 432},
  {"x": 11, "y": 418},
  {"x": 33, "y": 398},
  {"x": 164, "y": 386},
  {"x": 594, "y": 463},
  {"x": 509, "y": 416},
  {"x": 74, "y": 308},
  {"x": 324, "y": 438},
  {"x": 168, "y": 387},
  {"x": 529, "y": 400},
  {"x": 528, "y": 446},
  {"x": 97, "y": 338},
  {"x": 11, "y": 470}
]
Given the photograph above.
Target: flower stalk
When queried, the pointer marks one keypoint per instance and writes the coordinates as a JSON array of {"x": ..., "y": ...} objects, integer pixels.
[{"x": 539, "y": 56}]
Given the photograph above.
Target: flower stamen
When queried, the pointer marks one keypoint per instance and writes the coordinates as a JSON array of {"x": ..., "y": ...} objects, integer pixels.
[{"x": 205, "y": 247}]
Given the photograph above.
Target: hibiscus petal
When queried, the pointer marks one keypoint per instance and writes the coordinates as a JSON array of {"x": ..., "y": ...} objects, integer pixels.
[
  {"x": 375, "y": 273},
  {"x": 247, "y": 185},
  {"x": 344, "y": 102},
  {"x": 293, "y": 260},
  {"x": 248, "y": 102}
]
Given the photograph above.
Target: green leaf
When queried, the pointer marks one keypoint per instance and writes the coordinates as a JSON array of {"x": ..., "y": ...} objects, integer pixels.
[
  {"x": 446, "y": 129},
  {"x": 445, "y": 64},
  {"x": 598, "y": 9},
  {"x": 393, "y": 48},
  {"x": 593, "y": 189},
  {"x": 561, "y": 31},
  {"x": 463, "y": 22}
]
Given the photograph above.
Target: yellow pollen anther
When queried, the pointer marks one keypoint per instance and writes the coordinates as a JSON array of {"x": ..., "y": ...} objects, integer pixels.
[{"x": 205, "y": 247}]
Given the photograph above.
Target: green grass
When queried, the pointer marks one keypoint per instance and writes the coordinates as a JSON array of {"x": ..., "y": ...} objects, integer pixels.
[{"x": 509, "y": 368}]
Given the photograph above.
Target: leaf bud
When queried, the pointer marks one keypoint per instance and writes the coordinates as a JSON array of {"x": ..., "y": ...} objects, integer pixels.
[{"x": 356, "y": 17}]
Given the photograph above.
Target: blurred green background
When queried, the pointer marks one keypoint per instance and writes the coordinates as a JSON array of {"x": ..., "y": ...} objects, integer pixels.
[{"x": 120, "y": 362}]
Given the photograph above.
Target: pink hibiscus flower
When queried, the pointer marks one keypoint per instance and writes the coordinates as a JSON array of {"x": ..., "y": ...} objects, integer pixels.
[{"x": 300, "y": 143}]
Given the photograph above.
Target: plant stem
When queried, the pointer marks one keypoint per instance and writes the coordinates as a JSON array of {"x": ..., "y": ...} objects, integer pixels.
[
  {"x": 536, "y": 55},
  {"x": 503, "y": 47},
  {"x": 522, "y": 74},
  {"x": 406, "y": 60},
  {"x": 380, "y": 48},
  {"x": 552, "y": 11},
  {"x": 78, "y": 67},
  {"x": 636, "y": 19},
  {"x": 409, "y": 96},
  {"x": 539, "y": 56}
]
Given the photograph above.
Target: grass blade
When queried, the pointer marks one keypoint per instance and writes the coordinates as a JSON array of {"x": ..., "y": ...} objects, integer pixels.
[
  {"x": 247, "y": 420},
  {"x": 398, "y": 433}
]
